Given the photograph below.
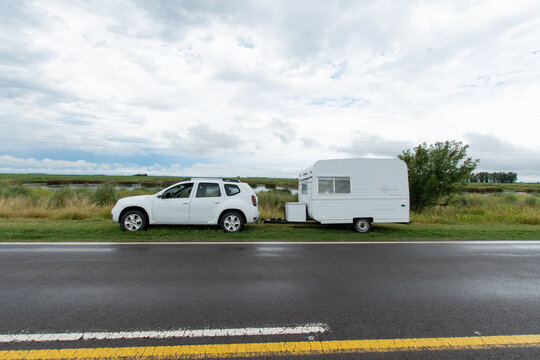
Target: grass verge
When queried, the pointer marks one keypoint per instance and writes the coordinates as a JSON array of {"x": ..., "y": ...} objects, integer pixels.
[{"x": 21, "y": 229}]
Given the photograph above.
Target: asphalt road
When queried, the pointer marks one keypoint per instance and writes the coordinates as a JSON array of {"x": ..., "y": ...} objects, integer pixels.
[{"x": 357, "y": 291}]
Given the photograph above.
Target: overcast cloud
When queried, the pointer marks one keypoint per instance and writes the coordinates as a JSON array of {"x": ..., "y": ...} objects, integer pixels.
[{"x": 264, "y": 88}]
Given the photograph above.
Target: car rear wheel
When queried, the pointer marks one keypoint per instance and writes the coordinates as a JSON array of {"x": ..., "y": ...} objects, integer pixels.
[
  {"x": 232, "y": 222},
  {"x": 362, "y": 225},
  {"x": 133, "y": 220}
]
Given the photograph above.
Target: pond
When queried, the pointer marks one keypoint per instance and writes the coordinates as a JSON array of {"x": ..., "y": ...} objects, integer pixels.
[
  {"x": 259, "y": 188},
  {"x": 263, "y": 188},
  {"x": 88, "y": 186}
]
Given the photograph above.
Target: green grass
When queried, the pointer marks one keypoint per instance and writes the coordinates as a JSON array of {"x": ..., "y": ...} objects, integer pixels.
[
  {"x": 498, "y": 208},
  {"x": 145, "y": 181},
  {"x": 106, "y": 230},
  {"x": 490, "y": 188}
]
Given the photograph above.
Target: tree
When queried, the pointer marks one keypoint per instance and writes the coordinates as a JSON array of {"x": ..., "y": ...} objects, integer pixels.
[
  {"x": 436, "y": 170},
  {"x": 496, "y": 177}
]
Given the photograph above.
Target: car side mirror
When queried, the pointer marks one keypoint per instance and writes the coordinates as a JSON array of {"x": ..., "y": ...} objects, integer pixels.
[{"x": 159, "y": 196}]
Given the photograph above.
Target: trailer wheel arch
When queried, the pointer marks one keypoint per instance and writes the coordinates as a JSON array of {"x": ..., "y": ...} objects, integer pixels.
[{"x": 362, "y": 225}]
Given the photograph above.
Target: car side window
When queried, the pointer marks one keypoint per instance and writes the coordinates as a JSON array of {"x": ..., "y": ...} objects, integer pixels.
[
  {"x": 208, "y": 190},
  {"x": 231, "y": 190},
  {"x": 180, "y": 191}
]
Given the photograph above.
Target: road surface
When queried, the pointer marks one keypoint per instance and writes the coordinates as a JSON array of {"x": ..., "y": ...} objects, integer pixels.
[{"x": 146, "y": 296}]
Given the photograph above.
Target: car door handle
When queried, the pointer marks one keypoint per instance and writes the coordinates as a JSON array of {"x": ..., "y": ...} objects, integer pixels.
[{"x": 217, "y": 202}]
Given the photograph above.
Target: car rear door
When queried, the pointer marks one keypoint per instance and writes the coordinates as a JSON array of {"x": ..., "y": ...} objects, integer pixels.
[{"x": 205, "y": 203}]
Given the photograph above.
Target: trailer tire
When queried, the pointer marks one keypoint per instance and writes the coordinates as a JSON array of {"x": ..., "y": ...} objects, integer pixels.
[{"x": 362, "y": 225}]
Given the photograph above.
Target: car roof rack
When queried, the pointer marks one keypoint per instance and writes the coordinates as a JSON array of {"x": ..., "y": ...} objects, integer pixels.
[{"x": 210, "y": 178}]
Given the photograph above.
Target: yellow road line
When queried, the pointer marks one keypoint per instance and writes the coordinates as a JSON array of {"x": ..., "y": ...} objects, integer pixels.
[{"x": 280, "y": 348}]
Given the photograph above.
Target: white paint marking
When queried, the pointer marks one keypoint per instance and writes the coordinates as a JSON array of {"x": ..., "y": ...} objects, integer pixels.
[{"x": 166, "y": 334}]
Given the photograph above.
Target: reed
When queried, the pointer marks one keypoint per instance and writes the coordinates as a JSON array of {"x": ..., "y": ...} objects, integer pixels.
[
  {"x": 272, "y": 203},
  {"x": 499, "y": 208},
  {"x": 79, "y": 204}
]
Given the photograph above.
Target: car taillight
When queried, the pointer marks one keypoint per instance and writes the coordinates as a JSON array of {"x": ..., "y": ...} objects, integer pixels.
[{"x": 254, "y": 200}]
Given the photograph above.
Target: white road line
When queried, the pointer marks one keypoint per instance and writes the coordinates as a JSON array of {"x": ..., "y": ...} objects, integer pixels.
[{"x": 165, "y": 334}]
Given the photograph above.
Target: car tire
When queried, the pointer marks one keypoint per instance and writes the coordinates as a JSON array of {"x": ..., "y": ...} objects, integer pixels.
[
  {"x": 133, "y": 220},
  {"x": 362, "y": 225},
  {"x": 231, "y": 222}
]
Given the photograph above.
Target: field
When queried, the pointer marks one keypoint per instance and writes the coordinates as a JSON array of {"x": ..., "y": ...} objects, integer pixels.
[
  {"x": 144, "y": 181},
  {"x": 30, "y": 213}
]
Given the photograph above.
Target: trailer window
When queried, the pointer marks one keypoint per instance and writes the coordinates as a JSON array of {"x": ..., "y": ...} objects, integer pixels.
[
  {"x": 342, "y": 185},
  {"x": 326, "y": 185},
  {"x": 331, "y": 185},
  {"x": 304, "y": 188}
]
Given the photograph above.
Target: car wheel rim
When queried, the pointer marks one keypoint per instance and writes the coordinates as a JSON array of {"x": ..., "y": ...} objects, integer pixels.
[
  {"x": 133, "y": 222},
  {"x": 232, "y": 223}
]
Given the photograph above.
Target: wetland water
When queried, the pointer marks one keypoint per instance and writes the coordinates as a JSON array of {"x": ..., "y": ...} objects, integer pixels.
[{"x": 259, "y": 188}]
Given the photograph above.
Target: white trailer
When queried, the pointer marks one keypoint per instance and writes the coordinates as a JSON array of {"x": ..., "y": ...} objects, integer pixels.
[{"x": 352, "y": 191}]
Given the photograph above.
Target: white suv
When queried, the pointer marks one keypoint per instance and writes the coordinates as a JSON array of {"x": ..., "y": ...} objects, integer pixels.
[{"x": 229, "y": 203}]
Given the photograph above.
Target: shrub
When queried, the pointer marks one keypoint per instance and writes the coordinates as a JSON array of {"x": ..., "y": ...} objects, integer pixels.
[
  {"x": 437, "y": 170},
  {"x": 510, "y": 198},
  {"x": 15, "y": 191},
  {"x": 532, "y": 201},
  {"x": 104, "y": 195},
  {"x": 60, "y": 197}
]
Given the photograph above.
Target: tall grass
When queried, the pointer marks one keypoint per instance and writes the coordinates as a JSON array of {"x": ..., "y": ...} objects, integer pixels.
[
  {"x": 499, "y": 208},
  {"x": 77, "y": 204},
  {"x": 272, "y": 203},
  {"x": 104, "y": 195},
  {"x": 61, "y": 204}
]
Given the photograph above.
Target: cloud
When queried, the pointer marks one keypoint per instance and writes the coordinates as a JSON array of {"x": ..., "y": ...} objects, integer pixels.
[
  {"x": 245, "y": 42},
  {"x": 282, "y": 130},
  {"x": 341, "y": 69},
  {"x": 203, "y": 139},
  {"x": 276, "y": 83},
  {"x": 343, "y": 101},
  {"x": 364, "y": 144},
  {"x": 496, "y": 154},
  {"x": 11, "y": 164}
]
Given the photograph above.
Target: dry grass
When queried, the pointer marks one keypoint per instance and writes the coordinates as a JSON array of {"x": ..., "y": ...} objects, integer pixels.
[
  {"x": 272, "y": 203},
  {"x": 81, "y": 204},
  {"x": 62, "y": 204},
  {"x": 73, "y": 209},
  {"x": 506, "y": 208}
]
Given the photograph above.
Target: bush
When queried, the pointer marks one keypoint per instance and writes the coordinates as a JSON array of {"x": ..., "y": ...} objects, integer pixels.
[
  {"x": 435, "y": 171},
  {"x": 15, "y": 191},
  {"x": 104, "y": 195},
  {"x": 60, "y": 197},
  {"x": 532, "y": 201},
  {"x": 510, "y": 198}
]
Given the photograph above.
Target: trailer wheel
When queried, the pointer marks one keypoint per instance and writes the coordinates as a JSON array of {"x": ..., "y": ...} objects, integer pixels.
[{"x": 362, "y": 225}]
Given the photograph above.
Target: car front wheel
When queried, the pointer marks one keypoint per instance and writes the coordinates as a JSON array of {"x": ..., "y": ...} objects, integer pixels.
[
  {"x": 232, "y": 222},
  {"x": 133, "y": 220}
]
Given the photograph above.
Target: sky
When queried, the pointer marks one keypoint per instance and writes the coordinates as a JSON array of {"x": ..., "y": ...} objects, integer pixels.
[{"x": 264, "y": 88}]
